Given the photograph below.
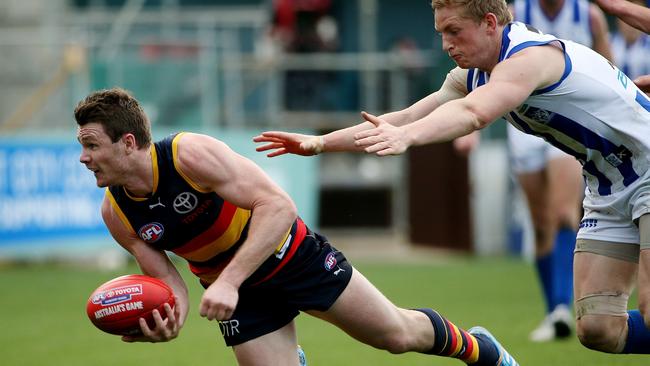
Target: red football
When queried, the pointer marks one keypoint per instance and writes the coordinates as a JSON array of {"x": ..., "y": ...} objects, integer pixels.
[{"x": 116, "y": 305}]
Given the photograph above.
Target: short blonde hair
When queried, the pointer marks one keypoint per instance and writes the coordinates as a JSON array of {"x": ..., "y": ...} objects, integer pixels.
[{"x": 477, "y": 9}]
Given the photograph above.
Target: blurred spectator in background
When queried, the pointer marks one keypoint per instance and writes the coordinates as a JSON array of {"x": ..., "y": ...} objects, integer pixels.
[
  {"x": 306, "y": 26},
  {"x": 407, "y": 55}
]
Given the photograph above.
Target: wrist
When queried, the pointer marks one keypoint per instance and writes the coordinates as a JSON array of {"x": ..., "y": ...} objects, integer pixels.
[{"x": 319, "y": 144}]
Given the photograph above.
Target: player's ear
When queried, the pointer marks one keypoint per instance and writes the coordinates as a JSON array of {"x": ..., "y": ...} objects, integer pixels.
[
  {"x": 491, "y": 21},
  {"x": 129, "y": 142}
]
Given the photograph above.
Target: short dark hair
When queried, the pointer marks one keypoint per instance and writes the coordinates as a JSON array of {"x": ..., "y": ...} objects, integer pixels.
[{"x": 118, "y": 112}]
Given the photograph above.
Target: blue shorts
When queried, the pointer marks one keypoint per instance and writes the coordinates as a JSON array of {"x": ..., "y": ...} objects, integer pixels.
[{"x": 312, "y": 280}]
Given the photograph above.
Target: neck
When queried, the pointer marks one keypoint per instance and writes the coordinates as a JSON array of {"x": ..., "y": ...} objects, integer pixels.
[
  {"x": 140, "y": 182},
  {"x": 495, "y": 51}
]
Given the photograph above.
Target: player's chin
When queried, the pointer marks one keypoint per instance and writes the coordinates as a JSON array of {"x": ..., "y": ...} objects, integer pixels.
[
  {"x": 102, "y": 182},
  {"x": 462, "y": 64}
]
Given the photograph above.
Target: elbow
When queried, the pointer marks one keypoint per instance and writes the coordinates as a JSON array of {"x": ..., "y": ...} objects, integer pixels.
[
  {"x": 283, "y": 208},
  {"x": 479, "y": 119},
  {"x": 480, "y": 124}
]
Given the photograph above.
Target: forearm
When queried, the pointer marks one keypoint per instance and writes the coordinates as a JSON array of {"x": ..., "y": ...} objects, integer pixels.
[
  {"x": 182, "y": 297},
  {"x": 632, "y": 14},
  {"x": 167, "y": 272},
  {"x": 450, "y": 121},
  {"x": 343, "y": 140},
  {"x": 269, "y": 225}
]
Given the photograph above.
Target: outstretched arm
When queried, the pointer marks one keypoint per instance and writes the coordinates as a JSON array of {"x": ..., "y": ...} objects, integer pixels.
[
  {"x": 511, "y": 82},
  {"x": 633, "y": 14},
  {"x": 280, "y": 143}
]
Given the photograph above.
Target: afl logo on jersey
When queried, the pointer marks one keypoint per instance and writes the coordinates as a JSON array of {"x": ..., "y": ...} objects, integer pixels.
[
  {"x": 185, "y": 202},
  {"x": 330, "y": 261},
  {"x": 151, "y": 232}
]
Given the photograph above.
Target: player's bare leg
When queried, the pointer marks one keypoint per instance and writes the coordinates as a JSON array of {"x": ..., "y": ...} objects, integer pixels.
[
  {"x": 368, "y": 316},
  {"x": 602, "y": 287},
  {"x": 277, "y": 348}
]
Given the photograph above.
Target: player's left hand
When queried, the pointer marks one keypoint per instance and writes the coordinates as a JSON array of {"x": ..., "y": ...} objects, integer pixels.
[
  {"x": 165, "y": 329},
  {"x": 384, "y": 139},
  {"x": 219, "y": 301}
]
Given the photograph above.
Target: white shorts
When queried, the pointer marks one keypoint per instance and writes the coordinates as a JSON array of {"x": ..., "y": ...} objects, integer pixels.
[
  {"x": 529, "y": 153},
  {"x": 612, "y": 218}
]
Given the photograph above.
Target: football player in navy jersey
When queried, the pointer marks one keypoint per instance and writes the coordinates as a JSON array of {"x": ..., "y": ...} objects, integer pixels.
[
  {"x": 190, "y": 194},
  {"x": 562, "y": 92}
]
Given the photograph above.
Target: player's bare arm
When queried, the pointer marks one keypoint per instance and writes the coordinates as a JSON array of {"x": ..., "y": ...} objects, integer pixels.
[
  {"x": 280, "y": 143},
  {"x": 633, "y": 14},
  {"x": 153, "y": 263},
  {"x": 600, "y": 32},
  {"x": 214, "y": 166},
  {"x": 511, "y": 82}
]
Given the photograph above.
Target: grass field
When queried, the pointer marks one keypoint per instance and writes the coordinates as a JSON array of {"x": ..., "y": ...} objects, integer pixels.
[{"x": 43, "y": 318}]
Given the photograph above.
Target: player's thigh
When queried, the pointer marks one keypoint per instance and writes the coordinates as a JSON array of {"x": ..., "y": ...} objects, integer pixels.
[
  {"x": 278, "y": 348},
  {"x": 602, "y": 287},
  {"x": 597, "y": 273},
  {"x": 366, "y": 314}
]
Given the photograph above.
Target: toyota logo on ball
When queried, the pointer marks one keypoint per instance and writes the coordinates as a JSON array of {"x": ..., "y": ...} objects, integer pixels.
[{"x": 185, "y": 202}]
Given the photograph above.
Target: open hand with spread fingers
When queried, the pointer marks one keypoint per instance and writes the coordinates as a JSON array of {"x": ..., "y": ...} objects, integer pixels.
[
  {"x": 289, "y": 143},
  {"x": 384, "y": 139}
]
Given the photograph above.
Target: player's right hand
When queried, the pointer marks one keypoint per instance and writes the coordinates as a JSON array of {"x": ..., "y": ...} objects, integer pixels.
[
  {"x": 164, "y": 331},
  {"x": 289, "y": 143}
]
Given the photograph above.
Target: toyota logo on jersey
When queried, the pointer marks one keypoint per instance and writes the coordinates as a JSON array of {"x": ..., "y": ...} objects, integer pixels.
[
  {"x": 185, "y": 202},
  {"x": 151, "y": 232}
]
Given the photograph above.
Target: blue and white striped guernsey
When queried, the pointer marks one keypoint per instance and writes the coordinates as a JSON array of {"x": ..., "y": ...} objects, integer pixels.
[{"x": 594, "y": 113}]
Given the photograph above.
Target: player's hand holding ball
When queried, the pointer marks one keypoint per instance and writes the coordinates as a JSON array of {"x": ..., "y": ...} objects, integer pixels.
[{"x": 137, "y": 307}]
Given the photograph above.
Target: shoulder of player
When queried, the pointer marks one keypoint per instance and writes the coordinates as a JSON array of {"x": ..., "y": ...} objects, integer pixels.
[
  {"x": 533, "y": 66},
  {"x": 204, "y": 159},
  {"x": 534, "y": 55},
  {"x": 193, "y": 148}
]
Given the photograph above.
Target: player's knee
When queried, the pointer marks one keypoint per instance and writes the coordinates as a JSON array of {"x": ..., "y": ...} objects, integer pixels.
[
  {"x": 597, "y": 333},
  {"x": 602, "y": 319}
]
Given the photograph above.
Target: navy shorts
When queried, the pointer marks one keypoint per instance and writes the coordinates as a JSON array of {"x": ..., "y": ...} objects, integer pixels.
[{"x": 313, "y": 279}]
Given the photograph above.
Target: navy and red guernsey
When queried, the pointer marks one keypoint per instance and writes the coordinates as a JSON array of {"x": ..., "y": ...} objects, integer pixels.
[{"x": 195, "y": 224}]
